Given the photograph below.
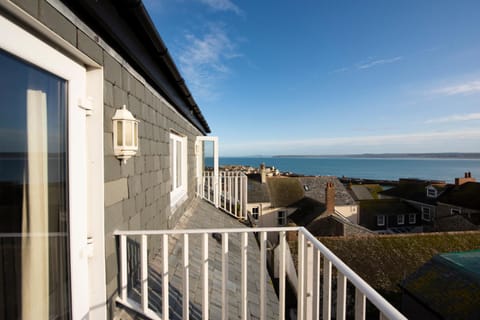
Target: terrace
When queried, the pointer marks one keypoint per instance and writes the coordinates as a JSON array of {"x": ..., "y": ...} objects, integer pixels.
[{"x": 212, "y": 265}]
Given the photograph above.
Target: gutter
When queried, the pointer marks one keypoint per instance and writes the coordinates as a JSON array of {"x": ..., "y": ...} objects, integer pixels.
[{"x": 127, "y": 27}]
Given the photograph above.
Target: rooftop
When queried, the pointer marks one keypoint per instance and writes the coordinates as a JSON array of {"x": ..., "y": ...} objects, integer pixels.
[
  {"x": 385, "y": 260},
  {"x": 448, "y": 284}
]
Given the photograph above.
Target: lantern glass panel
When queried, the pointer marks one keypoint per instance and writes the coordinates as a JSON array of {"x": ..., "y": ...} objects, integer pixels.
[
  {"x": 128, "y": 133},
  {"x": 119, "y": 133},
  {"x": 135, "y": 134}
]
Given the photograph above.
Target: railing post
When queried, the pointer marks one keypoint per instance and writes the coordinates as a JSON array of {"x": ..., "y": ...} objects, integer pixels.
[
  {"x": 123, "y": 268},
  {"x": 309, "y": 280},
  {"x": 235, "y": 202},
  {"x": 224, "y": 190},
  {"x": 245, "y": 196},
  {"x": 224, "y": 276},
  {"x": 341, "y": 295},
  {"x": 327, "y": 288},
  {"x": 165, "y": 280},
  {"x": 263, "y": 267},
  {"x": 186, "y": 285},
  {"x": 359, "y": 305},
  {"x": 301, "y": 272},
  {"x": 144, "y": 273},
  {"x": 205, "y": 275},
  {"x": 216, "y": 194},
  {"x": 316, "y": 285},
  {"x": 281, "y": 298},
  {"x": 244, "y": 296}
]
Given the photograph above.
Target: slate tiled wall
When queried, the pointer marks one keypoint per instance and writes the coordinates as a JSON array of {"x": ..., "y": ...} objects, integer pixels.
[{"x": 136, "y": 193}]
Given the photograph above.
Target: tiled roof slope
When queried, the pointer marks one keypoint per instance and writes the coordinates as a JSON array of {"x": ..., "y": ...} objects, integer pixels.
[
  {"x": 314, "y": 187},
  {"x": 361, "y": 192},
  {"x": 284, "y": 191},
  {"x": 449, "y": 284},
  {"x": 204, "y": 215},
  {"x": 411, "y": 190},
  {"x": 466, "y": 195},
  {"x": 256, "y": 190}
]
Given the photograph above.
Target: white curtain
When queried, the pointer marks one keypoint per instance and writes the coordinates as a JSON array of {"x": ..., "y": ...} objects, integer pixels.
[{"x": 35, "y": 279}]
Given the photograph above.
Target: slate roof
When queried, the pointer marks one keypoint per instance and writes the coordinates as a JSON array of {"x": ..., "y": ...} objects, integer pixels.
[
  {"x": 314, "y": 187},
  {"x": 204, "y": 215},
  {"x": 454, "y": 223},
  {"x": 385, "y": 207},
  {"x": 284, "y": 191},
  {"x": 361, "y": 192},
  {"x": 448, "y": 284},
  {"x": 383, "y": 261},
  {"x": 466, "y": 195},
  {"x": 311, "y": 214},
  {"x": 411, "y": 190},
  {"x": 256, "y": 190}
]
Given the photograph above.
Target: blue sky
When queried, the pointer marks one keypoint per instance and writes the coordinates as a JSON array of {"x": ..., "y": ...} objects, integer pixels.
[{"x": 330, "y": 77}]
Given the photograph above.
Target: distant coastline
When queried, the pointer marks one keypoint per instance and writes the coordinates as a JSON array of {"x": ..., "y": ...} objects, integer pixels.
[{"x": 445, "y": 155}]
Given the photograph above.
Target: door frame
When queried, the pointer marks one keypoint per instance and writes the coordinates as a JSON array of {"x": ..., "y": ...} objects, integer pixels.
[
  {"x": 20, "y": 43},
  {"x": 199, "y": 154}
]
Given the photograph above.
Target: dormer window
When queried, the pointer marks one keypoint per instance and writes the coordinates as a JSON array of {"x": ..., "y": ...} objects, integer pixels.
[{"x": 431, "y": 192}]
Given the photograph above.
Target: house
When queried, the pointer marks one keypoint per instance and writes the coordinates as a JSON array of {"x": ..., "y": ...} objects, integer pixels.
[
  {"x": 445, "y": 287},
  {"x": 271, "y": 199},
  {"x": 103, "y": 145},
  {"x": 390, "y": 216},
  {"x": 419, "y": 193},
  {"x": 323, "y": 218},
  {"x": 461, "y": 199}
]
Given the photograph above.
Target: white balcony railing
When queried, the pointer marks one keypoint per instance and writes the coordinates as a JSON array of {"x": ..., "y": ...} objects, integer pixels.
[
  {"x": 228, "y": 191},
  {"x": 314, "y": 274}
]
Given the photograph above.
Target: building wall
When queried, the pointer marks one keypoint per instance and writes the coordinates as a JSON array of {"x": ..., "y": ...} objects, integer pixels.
[
  {"x": 136, "y": 193},
  {"x": 349, "y": 212}
]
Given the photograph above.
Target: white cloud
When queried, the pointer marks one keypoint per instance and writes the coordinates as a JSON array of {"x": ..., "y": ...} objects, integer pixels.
[
  {"x": 455, "y": 117},
  {"x": 370, "y": 64},
  {"x": 223, "y": 5},
  {"x": 461, "y": 140},
  {"x": 463, "y": 88},
  {"x": 203, "y": 59}
]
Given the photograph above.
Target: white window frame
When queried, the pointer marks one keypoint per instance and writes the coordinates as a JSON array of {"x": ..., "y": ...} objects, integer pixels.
[
  {"x": 412, "y": 218},
  {"x": 426, "y": 214},
  {"x": 380, "y": 220},
  {"x": 255, "y": 212},
  {"x": 81, "y": 174},
  {"x": 454, "y": 211},
  {"x": 401, "y": 219},
  {"x": 282, "y": 217},
  {"x": 178, "y": 194}
]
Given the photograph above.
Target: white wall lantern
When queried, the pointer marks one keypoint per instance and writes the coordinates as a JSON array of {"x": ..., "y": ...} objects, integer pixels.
[{"x": 125, "y": 134}]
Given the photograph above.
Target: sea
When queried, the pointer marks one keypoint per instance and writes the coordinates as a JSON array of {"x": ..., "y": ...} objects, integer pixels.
[{"x": 367, "y": 168}]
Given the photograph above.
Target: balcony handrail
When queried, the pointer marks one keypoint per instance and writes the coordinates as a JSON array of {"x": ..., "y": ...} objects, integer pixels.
[
  {"x": 344, "y": 272},
  {"x": 226, "y": 191},
  {"x": 380, "y": 302}
]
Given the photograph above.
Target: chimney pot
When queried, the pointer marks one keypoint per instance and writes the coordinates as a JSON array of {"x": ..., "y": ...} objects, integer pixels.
[{"x": 263, "y": 173}]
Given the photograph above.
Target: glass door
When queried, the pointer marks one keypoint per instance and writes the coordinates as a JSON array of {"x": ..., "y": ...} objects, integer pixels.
[
  {"x": 207, "y": 168},
  {"x": 34, "y": 220}
]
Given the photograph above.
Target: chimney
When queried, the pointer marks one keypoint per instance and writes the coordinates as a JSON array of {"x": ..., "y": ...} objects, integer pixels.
[
  {"x": 263, "y": 173},
  {"x": 467, "y": 178},
  {"x": 330, "y": 197}
]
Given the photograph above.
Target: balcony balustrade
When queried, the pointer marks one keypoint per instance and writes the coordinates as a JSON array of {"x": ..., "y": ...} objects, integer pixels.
[
  {"x": 228, "y": 191},
  {"x": 316, "y": 267}
]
